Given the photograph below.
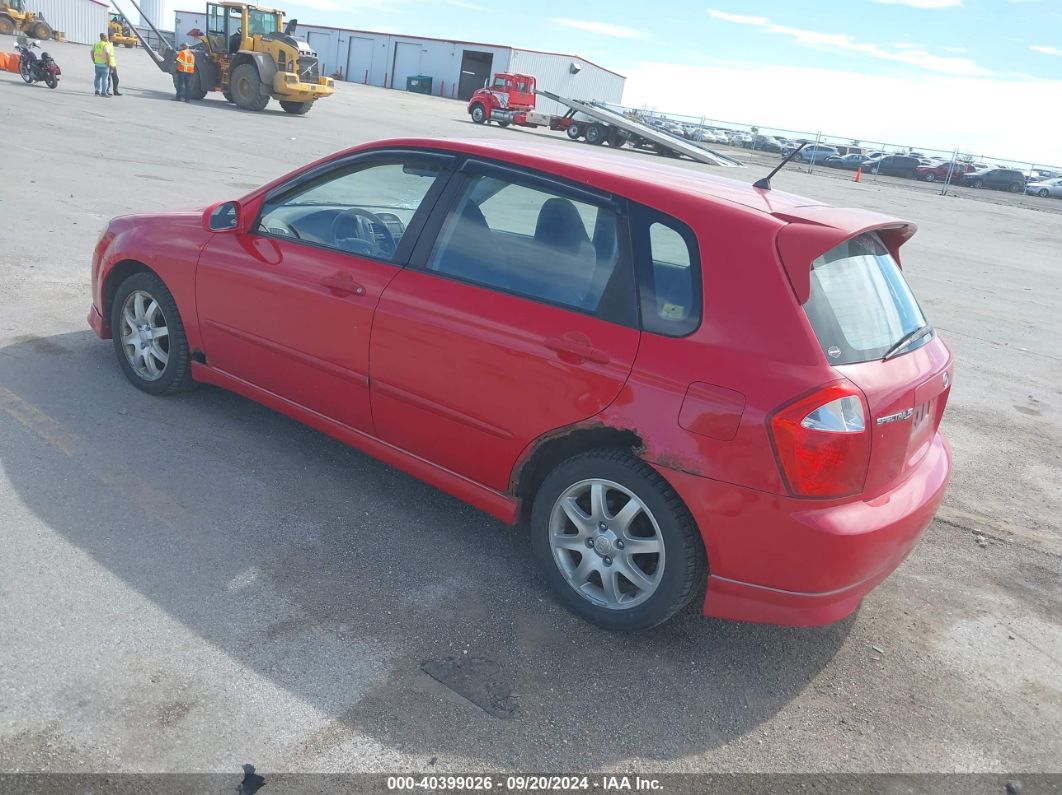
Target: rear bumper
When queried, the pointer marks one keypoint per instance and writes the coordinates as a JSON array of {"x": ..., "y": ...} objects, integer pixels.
[
  {"x": 778, "y": 560},
  {"x": 98, "y": 324}
]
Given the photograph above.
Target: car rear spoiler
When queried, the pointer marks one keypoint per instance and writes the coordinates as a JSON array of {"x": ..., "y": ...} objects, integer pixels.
[{"x": 812, "y": 231}]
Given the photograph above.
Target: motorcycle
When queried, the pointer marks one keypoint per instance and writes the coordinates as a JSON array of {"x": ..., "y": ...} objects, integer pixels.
[{"x": 34, "y": 69}]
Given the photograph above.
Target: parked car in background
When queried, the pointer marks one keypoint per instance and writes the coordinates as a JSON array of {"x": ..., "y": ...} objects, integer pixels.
[
  {"x": 745, "y": 400},
  {"x": 851, "y": 162},
  {"x": 816, "y": 153},
  {"x": 1045, "y": 188},
  {"x": 939, "y": 172},
  {"x": 1008, "y": 179},
  {"x": 851, "y": 150},
  {"x": 766, "y": 143},
  {"x": 893, "y": 165},
  {"x": 1040, "y": 175}
]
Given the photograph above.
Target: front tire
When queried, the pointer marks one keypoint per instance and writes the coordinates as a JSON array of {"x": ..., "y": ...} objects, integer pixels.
[
  {"x": 478, "y": 114},
  {"x": 42, "y": 31},
  {"x": 930, "y": 177},
  {"x": 296, "y": 108},
  {"x": 1043, "y": 193},
  {"x": 248, "y": 91},
  {"x": 149, "y": 338},
  {"x": 616, "y": 542},
  {"x": 51, "y": 80},
  {"x": 7, "y": 26},
  {"x": 978, "y": 183}
]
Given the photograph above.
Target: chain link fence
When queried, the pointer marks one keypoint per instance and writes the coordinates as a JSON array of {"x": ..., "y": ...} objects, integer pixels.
[{"x": 773, "y": 140}]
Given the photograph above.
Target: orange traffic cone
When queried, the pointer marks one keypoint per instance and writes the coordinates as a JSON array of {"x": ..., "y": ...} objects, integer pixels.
[{"x": 859, "y": 174}]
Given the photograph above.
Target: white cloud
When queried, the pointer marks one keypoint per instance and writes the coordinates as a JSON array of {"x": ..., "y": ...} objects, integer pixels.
[
  {"x": 602, "y": 28},
  {"x": 907, "y": 54},
  {"x": 1045, "y": 49},
  {"x": 925, "y": 3},
  {"x": 761, "y": 94}
]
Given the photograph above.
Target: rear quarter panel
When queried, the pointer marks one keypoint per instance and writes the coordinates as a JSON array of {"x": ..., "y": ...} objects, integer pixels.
[{"x": 753, "y": 343}]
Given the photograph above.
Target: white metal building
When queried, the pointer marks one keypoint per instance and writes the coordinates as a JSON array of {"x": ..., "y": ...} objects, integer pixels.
[
  {"x": 457, "y": 68},
  {"x": 81, "y": 21}
]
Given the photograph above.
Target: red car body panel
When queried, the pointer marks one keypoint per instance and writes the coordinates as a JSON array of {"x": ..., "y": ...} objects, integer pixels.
[
  {"x": 474, "y": 402},
  {"x": 458, "y": 385}
]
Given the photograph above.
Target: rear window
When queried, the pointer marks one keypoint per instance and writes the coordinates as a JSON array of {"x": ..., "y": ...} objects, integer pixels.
[{"x": 860, "y": 304}]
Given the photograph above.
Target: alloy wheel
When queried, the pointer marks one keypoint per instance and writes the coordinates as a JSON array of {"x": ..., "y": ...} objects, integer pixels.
[
  {"x": 145, "y": 335},
  {"x": 606, "y": 544}
]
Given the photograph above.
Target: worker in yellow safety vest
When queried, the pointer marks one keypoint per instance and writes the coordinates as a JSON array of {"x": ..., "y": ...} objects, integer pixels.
[
  {"x": 185, "y": 70},
  {"x": 102, "y": 58}
]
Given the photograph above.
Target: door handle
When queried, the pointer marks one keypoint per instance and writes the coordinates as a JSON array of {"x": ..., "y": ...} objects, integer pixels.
[
  {"x": 343, "y": 283},
  {"x": 577, "y": 347}
]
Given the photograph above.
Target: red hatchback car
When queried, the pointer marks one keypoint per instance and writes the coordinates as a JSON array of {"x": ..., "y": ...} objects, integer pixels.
[{"x": 678, "y": 379}]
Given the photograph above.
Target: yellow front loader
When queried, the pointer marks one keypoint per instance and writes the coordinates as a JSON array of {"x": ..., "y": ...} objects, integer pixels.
[
  {"x": 14, "y": 18},
  {"x": 250, "y": 56},
  {"x": 120, "y": 31}
]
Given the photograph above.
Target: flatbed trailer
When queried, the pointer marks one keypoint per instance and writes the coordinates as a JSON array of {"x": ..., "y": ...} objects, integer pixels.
[{"x": 511, "y": 100}]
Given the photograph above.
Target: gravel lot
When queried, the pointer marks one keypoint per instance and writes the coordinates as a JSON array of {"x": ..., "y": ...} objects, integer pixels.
[{"x": 193, "y": 583}]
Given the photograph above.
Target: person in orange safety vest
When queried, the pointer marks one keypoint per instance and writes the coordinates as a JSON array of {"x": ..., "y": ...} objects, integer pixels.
[{"x": 185, "y": 70}]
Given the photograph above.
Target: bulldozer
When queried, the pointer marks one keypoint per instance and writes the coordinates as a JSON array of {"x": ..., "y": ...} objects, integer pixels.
[
  {"x": 250, "y": 56},
  {"x": 14, "y": 18},
  {"x": 120, "y": 31}
]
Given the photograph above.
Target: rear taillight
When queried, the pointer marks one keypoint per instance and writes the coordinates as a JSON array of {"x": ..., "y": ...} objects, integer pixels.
[{"x": 822, "y": 442}]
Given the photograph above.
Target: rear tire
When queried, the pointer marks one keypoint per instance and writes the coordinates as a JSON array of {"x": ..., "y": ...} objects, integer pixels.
[
  {"x": 7, "y": 26},
  {"x": 24, "y": 71},
  {"x": 1016, "y": 188},
  {"x": 248, "y": 91},
  {"x": 228, "y": 96},
  {"x": 574, "y": 132},
  {"x": 133, "y": 301},
  {"x": 930, "y": 177},
  {"x": 297, "y": 108},
  {"x": 619, "y": 588},
  {"x": 42, "y": 31},
  {"x": 978, "y": 183},
  {"x": 478, "y": 114},
  {"x": 595, "y": 134}
]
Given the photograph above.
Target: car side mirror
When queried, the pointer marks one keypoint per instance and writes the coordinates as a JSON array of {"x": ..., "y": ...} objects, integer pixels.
[{"x": 222, "y": 217}]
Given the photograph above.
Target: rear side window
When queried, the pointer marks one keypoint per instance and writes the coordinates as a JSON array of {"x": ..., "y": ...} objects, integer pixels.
[
  {"x": 860, "y": 304},
  {"x": 669, "y": 275}
]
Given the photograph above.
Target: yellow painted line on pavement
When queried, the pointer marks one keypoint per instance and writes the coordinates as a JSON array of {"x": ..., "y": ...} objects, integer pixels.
[
  {"x": 38, "y": 423},
  {"x": 152, "y": 501}
]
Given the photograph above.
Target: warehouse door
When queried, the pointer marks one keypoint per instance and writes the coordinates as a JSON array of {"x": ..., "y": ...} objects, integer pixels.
[
  {"x": 359, "y": 59},
  {"x": 475, "y": 72},
  {"x": 319, "y": 44},
  {"x": 406, "y": 63}
]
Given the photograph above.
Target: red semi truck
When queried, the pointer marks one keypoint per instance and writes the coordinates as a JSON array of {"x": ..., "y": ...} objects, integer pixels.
[{"x": 510, "y": 99}]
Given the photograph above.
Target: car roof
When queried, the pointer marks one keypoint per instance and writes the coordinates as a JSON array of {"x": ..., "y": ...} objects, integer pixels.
[{"x": 621, "y": 174}]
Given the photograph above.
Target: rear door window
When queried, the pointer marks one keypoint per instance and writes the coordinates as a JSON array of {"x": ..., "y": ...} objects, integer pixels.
[
  {"x": 860, "y": 304},
  {"x": 534, "y": 239}
]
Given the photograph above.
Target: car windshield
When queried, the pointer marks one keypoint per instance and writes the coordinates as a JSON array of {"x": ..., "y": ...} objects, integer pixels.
[{"x": 860, "y": 304}]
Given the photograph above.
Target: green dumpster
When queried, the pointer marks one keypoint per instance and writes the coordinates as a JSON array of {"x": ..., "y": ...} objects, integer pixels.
[{"x": 419, "y": 84}]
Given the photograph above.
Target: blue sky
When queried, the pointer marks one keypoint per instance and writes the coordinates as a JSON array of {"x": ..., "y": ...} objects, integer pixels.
[{"x": 934, "y": 73}]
